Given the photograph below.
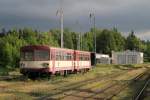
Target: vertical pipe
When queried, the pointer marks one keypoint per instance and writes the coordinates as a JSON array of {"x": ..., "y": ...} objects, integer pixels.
[
  {"x": 81, "y": 42},
  {"x": 62, "y": 22},
  {"x": 94, "y": 35}
]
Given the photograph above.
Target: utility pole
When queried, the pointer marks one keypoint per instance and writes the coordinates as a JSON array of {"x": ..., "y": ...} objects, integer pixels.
[
  {"x": 79, "y": 43},
  {"x": 61, "y": 13},
  {"x": 81, "y": 46},
  {"x": 78, "y": 37},
  {"x": 92, "y": 15}
]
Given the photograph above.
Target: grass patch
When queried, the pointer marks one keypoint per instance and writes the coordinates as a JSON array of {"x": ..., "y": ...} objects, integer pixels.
[
  {"x": 37, "y": 93},
  {"x": 22, "y": 96},
  {"x": 4, "y": 71},
  {"x": 27, "y": 90}
]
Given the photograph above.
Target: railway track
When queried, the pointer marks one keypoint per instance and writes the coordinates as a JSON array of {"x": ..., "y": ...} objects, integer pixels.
[
  {"x": 123, "y": 86},
  {"x": 109, "y": 90},
  {"x": 114, "y": 88},
  {"x": 140, "y": 94},
  {"x": 75, "y": 86},
  {"x": 138, "y": 79}
]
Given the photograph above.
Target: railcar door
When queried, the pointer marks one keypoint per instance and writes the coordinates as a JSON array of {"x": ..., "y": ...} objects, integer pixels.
[
  {"x": 77, "y": 60},
  {"x": 74, "y": 60},
  {"x": 53, "y": 58}
]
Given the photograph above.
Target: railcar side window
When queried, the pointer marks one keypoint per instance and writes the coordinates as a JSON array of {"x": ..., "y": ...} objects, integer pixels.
[
  {"x": 81, "y": 57},
  {"x": 41, "y": 55},
  {"x": 87, "y": 58},
  {"x": 58, "y": 55},
  {"x": 68, "y": 56},
  {"x": 65, "y": 56},
  {"x": 62, "y": 55},
  {"x": 84, "y": 57},
  {"x": 22, "y": 55}
]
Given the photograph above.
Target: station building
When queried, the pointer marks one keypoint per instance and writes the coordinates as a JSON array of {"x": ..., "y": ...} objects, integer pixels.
[{"x": 127, "y": 57}]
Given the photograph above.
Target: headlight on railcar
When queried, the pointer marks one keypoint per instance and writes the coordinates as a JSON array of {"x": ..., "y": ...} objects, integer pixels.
[{"x": 46, "y": 65}]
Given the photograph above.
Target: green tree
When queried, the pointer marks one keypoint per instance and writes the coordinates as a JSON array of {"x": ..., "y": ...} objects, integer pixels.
[
  {"x": 106, "y": 42},
  {"x": 147, "y": 51},
  {"x": 88, "y": 41},
  {"x": 29, "y": 36},
  {"x": 56, "y": 35},
  {"x": 46, "y": 38},
  {"x": 75, "y": 37},
  {"x": 67, "y": 37},
  {"x": 119, "y": 40},
  {"x": 133, "y": 43},
  {"x": 68, "y": 42}
]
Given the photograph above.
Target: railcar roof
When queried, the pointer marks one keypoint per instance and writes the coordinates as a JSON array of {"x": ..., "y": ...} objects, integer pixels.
[
  {"x": 31, "y": 47},
  {"x": 61, "y": 48},
  {"x": 48, "y": 47}
]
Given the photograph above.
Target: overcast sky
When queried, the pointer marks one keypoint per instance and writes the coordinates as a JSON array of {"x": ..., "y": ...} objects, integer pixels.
[{"x": 126, "y": 15}]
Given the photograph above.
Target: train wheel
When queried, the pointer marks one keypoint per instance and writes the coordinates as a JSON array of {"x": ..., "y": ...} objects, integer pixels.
[
  {"x": 82, "y": 71},
  {"x": 87, "y": 70},
  {"x": 48, "y": 76},
  {"x": 61, "y": 73},
  {"x": 75, "y": 71}
]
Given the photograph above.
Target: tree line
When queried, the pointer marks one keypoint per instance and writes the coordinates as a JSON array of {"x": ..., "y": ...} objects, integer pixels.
[{"x": 107, "y": 40}]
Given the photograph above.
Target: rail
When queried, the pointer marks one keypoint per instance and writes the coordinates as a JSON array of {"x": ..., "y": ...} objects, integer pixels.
[{"x": 140, "y": 93}]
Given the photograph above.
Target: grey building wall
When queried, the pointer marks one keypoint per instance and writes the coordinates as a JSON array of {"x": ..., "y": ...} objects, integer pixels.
[{"x": 127, "y": 57}]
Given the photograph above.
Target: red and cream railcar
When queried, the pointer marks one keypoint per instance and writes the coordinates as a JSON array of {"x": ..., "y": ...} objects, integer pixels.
[
  {"x": 62, "y": 60},
  {"x": 45, "y": 59},
  {"x": 82, "y": 60}
]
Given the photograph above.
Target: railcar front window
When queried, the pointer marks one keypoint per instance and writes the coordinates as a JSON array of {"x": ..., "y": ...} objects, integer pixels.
[
  {"x": 41, "y": 55},
  {"x": 27, "y": 56}
]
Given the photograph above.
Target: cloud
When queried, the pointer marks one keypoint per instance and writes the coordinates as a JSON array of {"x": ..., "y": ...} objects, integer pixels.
[
  {"x": 144, "y": 35},
  {"x": 126, "y": 15}
]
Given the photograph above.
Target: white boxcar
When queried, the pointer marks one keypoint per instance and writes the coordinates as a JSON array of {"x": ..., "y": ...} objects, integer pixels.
[{"x": 102, "y": 59}]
